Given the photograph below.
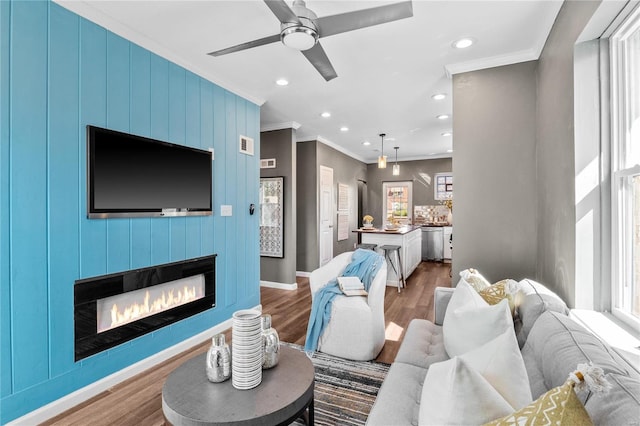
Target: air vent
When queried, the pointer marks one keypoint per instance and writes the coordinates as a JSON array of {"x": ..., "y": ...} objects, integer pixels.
[
  {"x": 246, "y": 145},
  {"x": 268, "y": 163}
]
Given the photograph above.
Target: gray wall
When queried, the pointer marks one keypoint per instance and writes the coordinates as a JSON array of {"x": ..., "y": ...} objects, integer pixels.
[
  {"x": 409, "y": 171},
  {"x": 494, "y": 168},
  {"x": 307, "y": 258},
  {"x": 280, "y": 144},
  {"x": 346, "y": 170},
  {"x": 555, "y": 151}
]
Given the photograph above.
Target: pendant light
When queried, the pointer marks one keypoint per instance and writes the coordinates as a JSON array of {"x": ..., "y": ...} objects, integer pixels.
[
  {"x": 396, "y": 167},
  {"x": 382, "y": 159}
]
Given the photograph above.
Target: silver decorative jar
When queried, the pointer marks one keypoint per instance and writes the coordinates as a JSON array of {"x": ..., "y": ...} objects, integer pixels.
[
  {"x": 218, "y": 360},
  {"x": 270, "y": 343}
]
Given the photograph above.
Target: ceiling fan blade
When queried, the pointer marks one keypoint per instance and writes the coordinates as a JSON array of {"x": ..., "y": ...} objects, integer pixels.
[
  {"x": 282, "y": 11},
  {"x": 320, "y": 61},
  {"x": 336, "y": 24},
  {"x": 247, "y": 45}
]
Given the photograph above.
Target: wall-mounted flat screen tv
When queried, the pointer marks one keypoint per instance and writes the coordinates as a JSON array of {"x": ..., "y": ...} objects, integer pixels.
[{"x": 134, "y": 176}]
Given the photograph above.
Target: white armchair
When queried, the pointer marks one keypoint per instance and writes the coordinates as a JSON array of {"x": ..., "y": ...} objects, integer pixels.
[{"x": 356, "y": 328}]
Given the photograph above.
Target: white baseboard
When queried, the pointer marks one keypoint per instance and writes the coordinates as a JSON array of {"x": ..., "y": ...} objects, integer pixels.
[
  {"x": 281, "y": 286},
  {"x": 303, "y": 274},
  {"x": 77, "y": 397}
]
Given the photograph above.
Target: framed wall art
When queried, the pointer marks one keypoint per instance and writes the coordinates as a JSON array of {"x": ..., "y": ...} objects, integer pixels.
[{"x": 272, "y": 217}]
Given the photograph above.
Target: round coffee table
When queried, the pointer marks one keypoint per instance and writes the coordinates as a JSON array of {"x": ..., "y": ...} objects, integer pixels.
[{"x": 286, "y": 391}]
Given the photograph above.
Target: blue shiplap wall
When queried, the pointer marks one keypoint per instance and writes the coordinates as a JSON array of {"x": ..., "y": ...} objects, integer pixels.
[{"x": 60, "y": 72}]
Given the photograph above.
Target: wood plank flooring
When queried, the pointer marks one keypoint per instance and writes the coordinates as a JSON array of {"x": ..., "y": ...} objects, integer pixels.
[{"x": 138, "y": 401}]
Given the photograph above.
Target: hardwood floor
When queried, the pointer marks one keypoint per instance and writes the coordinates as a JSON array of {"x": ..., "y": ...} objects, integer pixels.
[{"x": 138, "y": 400}]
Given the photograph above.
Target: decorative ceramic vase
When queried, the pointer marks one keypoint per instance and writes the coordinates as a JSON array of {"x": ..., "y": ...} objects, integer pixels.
[
  {"x": 450, "y": 217},
  {"x": 270, "y": 343},
  {"x": 246, "y": 343},
  {"x": 218, "y": 360}
]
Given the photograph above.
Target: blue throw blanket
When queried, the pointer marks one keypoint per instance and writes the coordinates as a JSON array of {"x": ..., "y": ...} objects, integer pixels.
[{"x": 365, "y": 264}]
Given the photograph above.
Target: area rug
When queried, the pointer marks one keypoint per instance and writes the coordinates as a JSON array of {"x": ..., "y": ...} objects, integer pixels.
[{"x": 344, "y": 390}]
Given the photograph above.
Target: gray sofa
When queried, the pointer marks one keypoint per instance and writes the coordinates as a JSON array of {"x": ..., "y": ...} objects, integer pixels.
[{"x": 552, "y": 345}]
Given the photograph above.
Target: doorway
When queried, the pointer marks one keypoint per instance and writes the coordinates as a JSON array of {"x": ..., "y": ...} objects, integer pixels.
[
  {"x": 326, "y": 215},
  {"x": 362, "y": 200},
  {"x": 397, "y": 204}
]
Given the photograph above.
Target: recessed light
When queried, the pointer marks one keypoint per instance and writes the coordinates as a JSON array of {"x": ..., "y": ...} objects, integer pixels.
[
  {"x": 326, "y": 114},
  {"x": 442, "y": 117},
  {"x": 282, "y": 82},
  {"x": 449, "y": 150},
  {"x": 366, "y": 143},
  {"x": 463, "y": 43},
  {"x": 446, "y": 133},
  {"x": 438, "y": 96},
  {"x": 344, "y": 129}
]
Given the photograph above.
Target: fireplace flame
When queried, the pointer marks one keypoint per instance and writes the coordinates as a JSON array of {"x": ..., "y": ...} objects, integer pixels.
[{"x": 167, "y": 300}]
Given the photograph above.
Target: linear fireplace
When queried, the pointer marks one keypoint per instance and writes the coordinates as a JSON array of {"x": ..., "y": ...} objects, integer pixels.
[{"x": 115, "y": 308}]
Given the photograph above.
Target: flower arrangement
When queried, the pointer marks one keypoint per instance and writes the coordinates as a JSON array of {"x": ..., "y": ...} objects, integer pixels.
[
  {"x": 367, "y": 219},
  {"x": 448, "y": 203},
  {"x": 392, "y": 220}
]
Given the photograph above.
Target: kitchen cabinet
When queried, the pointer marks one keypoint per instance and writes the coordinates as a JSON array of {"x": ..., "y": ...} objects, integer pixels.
[
  {"x": 410, "y": 240},
  {"x": 447, "y": 231}
]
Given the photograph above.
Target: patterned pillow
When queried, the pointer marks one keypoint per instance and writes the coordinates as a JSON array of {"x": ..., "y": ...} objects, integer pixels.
[
  {"x": 474, "y": 279},
  {"x": 558, "y": 407},
  {"x": 505, "y": 289}
]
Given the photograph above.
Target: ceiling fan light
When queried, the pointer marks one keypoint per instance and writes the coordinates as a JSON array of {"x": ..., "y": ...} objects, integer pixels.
[
  {"x": 463, "y": 43},
  {"x": 299, "y": 38}
]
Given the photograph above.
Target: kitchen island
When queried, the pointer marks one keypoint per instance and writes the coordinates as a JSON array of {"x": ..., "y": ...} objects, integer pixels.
[{"x": 408, "y": 237}]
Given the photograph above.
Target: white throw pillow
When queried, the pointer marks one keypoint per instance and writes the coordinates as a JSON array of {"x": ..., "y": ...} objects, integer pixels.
[
  {"x": 456, "y": 391},
  {"x": 500, "y": 362},
  {"x": 470, "y": 322},
  {"x": 455, "y": 394}
]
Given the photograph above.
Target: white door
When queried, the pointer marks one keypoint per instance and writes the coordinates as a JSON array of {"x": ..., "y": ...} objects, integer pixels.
[{"x": 326, "y": 214}]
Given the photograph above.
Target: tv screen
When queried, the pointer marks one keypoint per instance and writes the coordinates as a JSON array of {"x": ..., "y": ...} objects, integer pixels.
[{"x": 129, "y": 176}]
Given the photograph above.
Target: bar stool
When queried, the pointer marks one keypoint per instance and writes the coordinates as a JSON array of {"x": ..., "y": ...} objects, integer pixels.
[
  {"x": 366, "y": 246},
  {"x": 390, "y": 248}
]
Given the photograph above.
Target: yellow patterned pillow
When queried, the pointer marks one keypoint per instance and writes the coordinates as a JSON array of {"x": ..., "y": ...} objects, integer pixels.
[
  {"x": 504, "y": 289},
  {"x": 558, "y": 407},
  {"x": 475, "y": 279}
]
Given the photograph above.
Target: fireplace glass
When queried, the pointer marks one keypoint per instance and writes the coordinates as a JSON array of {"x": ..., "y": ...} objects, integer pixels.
[{"x": 124, "y": 308}]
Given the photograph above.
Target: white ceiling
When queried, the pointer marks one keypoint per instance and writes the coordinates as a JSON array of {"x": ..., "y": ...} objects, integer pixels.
[{"x": 386, "y": 73}]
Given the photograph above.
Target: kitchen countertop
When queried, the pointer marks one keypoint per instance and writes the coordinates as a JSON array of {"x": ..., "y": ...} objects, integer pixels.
[{"x": 401, "y": 230}]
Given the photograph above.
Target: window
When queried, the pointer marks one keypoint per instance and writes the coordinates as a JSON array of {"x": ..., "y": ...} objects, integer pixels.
[
  {"x": 443, "y": 189},
  {"x": 397, "y": 201},
  {"x": 625, "y": 167}
]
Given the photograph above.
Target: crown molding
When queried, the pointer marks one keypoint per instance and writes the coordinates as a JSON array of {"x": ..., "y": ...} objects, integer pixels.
[
  {"x": 280, "y": 126},
  {"x": 340, "y": 148},
  {"x": 493, "y": 61}
]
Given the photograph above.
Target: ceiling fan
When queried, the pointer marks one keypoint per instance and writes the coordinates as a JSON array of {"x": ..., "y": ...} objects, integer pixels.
[{"x": 300, "y": 29}]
